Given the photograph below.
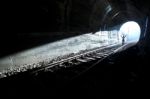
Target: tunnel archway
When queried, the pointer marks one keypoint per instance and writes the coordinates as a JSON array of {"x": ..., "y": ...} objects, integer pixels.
[{"x": 131, "y": 30}]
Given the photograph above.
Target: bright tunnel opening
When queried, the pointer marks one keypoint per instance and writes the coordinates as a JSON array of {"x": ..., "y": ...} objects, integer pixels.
[{"x": 130, "y": 31}]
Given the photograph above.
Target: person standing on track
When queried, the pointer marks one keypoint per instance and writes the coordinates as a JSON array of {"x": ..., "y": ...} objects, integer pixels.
[{"x": 123, "y": 36}]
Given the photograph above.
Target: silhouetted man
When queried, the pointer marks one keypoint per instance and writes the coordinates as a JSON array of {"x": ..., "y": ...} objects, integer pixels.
[{"x": 123, "y": 39}]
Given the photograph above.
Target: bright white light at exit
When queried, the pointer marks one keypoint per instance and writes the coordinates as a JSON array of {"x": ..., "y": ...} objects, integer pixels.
[{"x": 132, "y": 31}]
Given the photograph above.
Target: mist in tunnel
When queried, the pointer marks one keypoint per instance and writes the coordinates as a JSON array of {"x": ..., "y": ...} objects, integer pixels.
[{"x": 131, "y": 30}]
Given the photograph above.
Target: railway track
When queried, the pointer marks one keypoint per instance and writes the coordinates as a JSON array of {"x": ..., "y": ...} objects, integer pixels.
[
  {"x": 95, "y": 55},
  {"x": 68, "y": 61}
]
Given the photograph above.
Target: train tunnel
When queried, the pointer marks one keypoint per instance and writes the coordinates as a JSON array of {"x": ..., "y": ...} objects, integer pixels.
[{"x": 27, "y": 25}]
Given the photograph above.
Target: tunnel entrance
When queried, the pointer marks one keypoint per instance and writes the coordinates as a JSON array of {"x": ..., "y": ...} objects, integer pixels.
[{"x": 130, "y": 31}]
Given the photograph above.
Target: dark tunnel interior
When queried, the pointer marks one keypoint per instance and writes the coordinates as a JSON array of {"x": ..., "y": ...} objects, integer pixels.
[{"x": 28, "y": 24}]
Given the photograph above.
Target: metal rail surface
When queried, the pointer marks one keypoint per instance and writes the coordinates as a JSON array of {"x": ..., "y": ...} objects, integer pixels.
[{"x": 96, "y": 54}]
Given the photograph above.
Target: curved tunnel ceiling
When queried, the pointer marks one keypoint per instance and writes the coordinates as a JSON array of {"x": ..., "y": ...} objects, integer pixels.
[
  {"x": 69, "y": 15},
  {"x": 115, "y": 13},
  {"x": 91, "y": 15}
]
